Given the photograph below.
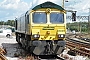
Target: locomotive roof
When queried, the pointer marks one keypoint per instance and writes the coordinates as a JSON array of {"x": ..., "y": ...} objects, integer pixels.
[{"x": 48, "y": 5}]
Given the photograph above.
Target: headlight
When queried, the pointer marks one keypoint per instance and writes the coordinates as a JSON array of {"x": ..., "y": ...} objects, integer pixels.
[
  {"x": 61, "y": 36},
  {"x": 36, "y": 36}
]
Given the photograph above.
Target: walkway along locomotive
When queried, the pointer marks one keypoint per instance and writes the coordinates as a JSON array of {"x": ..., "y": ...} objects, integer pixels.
[{"x": 42, "y": 29}]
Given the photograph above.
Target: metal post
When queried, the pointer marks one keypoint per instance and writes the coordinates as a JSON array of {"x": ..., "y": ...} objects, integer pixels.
[
  {"x": 89, "y": 22},
  {"x": 63, "y": 3},
  {"x": 80, "y": 26}
]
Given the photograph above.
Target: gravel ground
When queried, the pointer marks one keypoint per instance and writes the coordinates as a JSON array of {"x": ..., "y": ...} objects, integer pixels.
[
  {"x": 14, "y": 49},
  {"x": 11, "y": 47}
]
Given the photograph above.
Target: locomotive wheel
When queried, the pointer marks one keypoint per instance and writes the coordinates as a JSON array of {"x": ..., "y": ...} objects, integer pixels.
[
  {"x": 18, "y": 40},
  {"x": 24, "y": 43}
]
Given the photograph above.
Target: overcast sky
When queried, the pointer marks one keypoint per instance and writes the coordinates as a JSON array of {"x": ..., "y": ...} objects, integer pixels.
[{"x": 9, "y": 9}]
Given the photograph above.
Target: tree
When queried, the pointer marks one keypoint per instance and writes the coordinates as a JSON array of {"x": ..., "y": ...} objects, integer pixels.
[
  {"x": 1, "y": 22},
  {"x": 9, "y": 22}
]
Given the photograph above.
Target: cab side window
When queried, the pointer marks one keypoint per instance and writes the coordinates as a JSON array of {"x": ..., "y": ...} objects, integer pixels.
[{"x": 28, "y": 19}]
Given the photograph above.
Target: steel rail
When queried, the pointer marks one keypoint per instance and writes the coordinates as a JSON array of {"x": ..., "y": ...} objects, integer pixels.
[{"x": 79, "y": 47}]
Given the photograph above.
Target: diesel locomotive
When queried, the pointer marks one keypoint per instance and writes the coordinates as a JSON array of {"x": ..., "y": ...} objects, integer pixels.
[{"x": 42, "y": 29}]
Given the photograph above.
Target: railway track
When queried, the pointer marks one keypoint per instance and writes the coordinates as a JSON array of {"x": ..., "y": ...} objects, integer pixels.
[{"x": 80, "y": 47}]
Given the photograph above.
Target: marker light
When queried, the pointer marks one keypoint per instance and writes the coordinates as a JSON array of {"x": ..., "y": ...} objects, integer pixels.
[
  {"x": 36, "y": 36},
  {"x": 61, "y": 36}
]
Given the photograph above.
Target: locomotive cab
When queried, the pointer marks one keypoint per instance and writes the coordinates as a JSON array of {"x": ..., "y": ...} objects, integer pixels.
[{"x": 43, "y": 30}]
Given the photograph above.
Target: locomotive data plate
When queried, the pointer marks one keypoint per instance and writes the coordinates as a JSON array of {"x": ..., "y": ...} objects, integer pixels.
[{"x": 48, "y": 28}]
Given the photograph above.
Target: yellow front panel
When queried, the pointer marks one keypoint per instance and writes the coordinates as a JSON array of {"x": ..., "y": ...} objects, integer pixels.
[{"x": 54, "y": 30}]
